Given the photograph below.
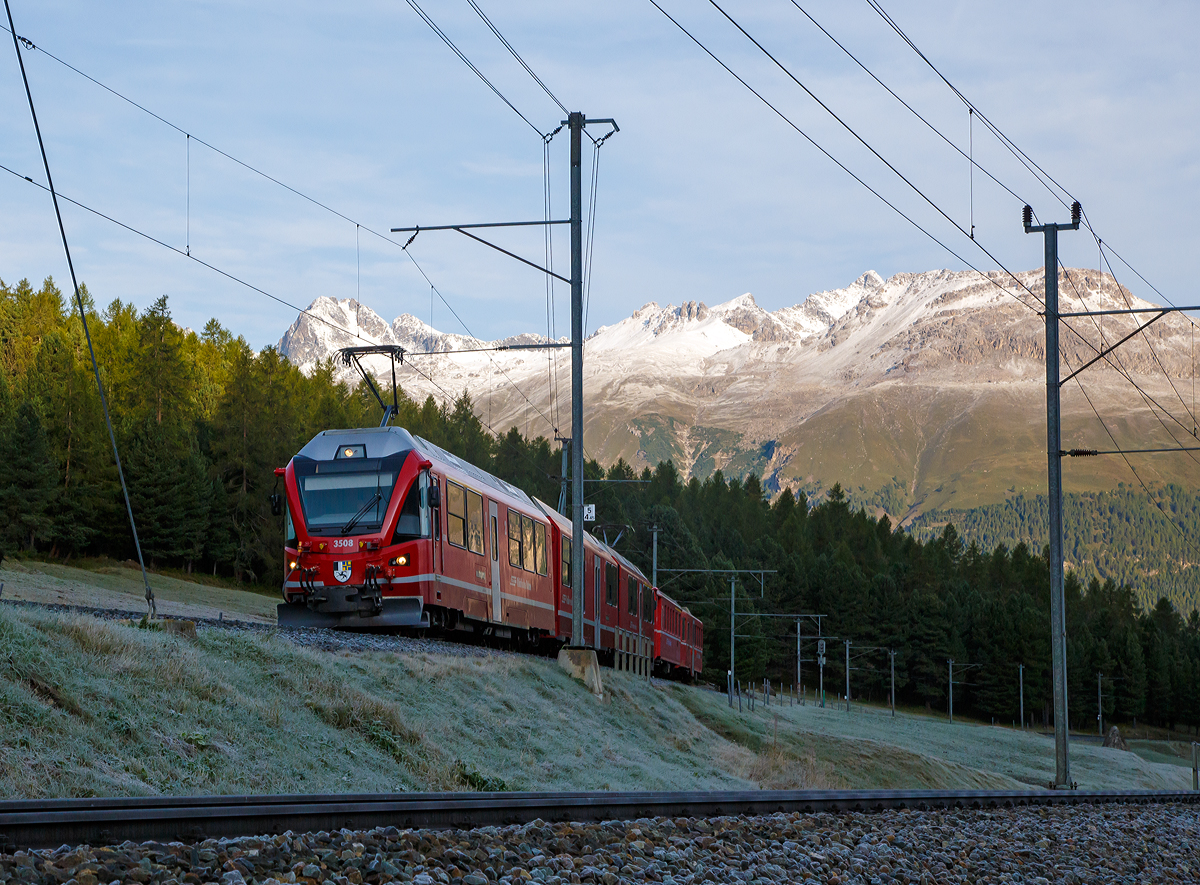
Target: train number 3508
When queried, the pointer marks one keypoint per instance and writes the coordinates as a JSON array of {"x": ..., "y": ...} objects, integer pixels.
[{"x": 342, "y": 542}]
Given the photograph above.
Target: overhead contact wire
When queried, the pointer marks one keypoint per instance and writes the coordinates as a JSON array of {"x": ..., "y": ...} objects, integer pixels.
[
  {"x": 852, "y": 174},
  {"x": 910, "y": 108},
  {"x": 236, "y": 279},
  {"x": 445, "y": 39},
  {"x": 487, "y": 21}
]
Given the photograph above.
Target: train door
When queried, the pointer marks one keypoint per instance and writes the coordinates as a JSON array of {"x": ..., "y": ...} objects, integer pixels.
[{"x": 493, "y": 516}]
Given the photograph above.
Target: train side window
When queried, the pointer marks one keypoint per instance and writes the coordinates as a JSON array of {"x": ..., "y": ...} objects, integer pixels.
[
  {"x": 413, "y": 522},
  {"x": 610, "y": 584},
  {"x": 495, "y": 542},
  {"x": 456, "y": 515},
  {"x": 289, "y": 530},
  {"x": 527, "y": 549},
  {"x": 474, "y": 522},
  {"x": 648, "y": 605},
  {"x": 566, "y": 561},
  {"x": 539, "y": 544},
  {"x": 631, "y": 589},
  {"x": 514, "y": 539}
]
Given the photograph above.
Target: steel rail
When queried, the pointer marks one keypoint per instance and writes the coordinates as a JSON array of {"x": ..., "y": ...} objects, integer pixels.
[{"x": 49, "y": 823}]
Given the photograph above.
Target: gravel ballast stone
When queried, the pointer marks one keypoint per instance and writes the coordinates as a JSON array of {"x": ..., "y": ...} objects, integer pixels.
[{"x": 1072, "y": 845}]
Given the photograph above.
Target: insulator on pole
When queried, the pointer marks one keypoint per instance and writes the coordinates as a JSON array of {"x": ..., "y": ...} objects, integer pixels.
[
  {"x": 1076, "y": 212},
  {"x": 1027, "y": 215}
]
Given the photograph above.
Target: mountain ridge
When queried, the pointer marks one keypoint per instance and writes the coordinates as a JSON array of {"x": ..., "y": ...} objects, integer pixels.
[{"x": 931, "y": 382}]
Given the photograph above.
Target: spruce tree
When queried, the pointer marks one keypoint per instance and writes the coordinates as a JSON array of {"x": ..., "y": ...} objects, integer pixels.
[{"x": 27, "y": 480}]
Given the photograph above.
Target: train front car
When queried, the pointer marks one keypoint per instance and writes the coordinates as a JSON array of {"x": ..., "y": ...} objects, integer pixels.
[{"x": 358, "y": 531}]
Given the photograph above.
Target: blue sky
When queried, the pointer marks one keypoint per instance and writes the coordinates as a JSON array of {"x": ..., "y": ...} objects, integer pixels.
[{"x": 704, "y": 194}]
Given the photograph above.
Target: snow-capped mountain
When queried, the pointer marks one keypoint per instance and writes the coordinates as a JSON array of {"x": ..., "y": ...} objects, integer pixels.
[{"x": 931, "y": 383}]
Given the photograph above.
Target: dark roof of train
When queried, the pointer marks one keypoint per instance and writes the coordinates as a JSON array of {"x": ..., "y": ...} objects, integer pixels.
[
  {"x": 437, "y": 453},
  {"x": 565, "y": 525},
  {"x": 384, "y": 441},
  {"x": 380, "y": 442}
]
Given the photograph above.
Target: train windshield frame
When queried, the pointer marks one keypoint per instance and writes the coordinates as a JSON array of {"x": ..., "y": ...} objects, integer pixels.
[{"x": 346, "y": 497}]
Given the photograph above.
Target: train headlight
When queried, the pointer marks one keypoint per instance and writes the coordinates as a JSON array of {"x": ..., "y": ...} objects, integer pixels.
[
  {"x": 292, "y": 565},
  {"x": 398, "y": 560}
]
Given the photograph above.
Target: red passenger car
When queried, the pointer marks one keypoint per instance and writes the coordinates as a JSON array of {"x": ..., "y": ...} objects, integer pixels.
[
  {"x": 678, "y": 640},
  {"x": 618, "y": 600}
]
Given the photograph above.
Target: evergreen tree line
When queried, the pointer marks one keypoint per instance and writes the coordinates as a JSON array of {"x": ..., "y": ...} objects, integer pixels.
[
  {"x": 202, "y": 421},
  {"x": 1149, "y": 543}
]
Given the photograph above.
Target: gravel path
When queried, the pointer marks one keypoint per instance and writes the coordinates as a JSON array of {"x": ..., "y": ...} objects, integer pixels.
[
  {"x": 1086, "y": 844},
  {"x": 312, "y": 637}
]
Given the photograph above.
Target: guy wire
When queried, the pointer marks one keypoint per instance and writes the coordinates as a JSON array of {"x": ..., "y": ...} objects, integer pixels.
[{"x": 82, "y": 312}]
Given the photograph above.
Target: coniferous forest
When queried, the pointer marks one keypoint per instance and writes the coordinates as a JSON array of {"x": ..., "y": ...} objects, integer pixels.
[{"x": 202, "y": 420}]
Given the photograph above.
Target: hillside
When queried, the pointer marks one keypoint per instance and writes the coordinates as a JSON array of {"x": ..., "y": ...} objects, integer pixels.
[
  {"x": 90, "y": 707},
  {"x": 1147, "y": 543}
]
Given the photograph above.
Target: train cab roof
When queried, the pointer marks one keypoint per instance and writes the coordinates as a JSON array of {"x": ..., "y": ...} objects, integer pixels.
[
  {"x": 382, "y": 442},
  {"x": 369, "y": 442}
]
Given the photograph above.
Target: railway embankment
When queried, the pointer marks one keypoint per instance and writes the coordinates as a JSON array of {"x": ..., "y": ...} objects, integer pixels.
[{"x": 89, "y": 706}]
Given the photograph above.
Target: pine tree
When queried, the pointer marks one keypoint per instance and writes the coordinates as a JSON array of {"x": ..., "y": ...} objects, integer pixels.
[{"x": 27, "y": 480}]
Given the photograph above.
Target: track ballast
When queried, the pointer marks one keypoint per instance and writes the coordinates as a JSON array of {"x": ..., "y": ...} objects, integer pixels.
[{"x": 48, "y": 823}]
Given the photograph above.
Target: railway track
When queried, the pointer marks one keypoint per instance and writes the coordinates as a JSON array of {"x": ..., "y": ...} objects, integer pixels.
[{"x": 29, "y": 824}]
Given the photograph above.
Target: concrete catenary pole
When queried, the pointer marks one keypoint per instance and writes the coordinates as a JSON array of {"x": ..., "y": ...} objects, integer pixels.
[
  {"x": 950, "y": 661},
  {"x": 575, "y": 123},
  {"x": 892, "y": 656},
  {"x": 1054, "y": 453},
  {"x": 654, "y": 530},
  {"x": 1021, "y": 680},
  {"x": 732, "y": 619},
  {"x": 847, "y": 675}
]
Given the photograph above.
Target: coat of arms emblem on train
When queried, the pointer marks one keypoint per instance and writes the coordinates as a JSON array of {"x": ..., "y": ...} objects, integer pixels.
[{"x": 341, "y": 570}]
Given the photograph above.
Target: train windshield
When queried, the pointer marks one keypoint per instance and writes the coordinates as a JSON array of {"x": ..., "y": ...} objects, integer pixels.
[{"x": 346, "y": 503}]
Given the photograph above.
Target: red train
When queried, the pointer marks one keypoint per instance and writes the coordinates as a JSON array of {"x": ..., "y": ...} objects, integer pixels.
[{"x": 384, "y": 529}]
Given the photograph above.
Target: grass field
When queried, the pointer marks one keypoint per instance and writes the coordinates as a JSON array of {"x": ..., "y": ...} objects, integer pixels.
[
  {"x": 869, "y": 748},
  {"x": 90, "y": 707},
  {"x": 114, "y": 585}
]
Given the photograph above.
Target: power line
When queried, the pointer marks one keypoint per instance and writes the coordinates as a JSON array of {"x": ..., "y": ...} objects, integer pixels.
[
  {"x": 910, "y": 108},
  {"x": 860, "y": 139},
  {"x": 1043, "y": 177},
  {"x": 236, "y": 279},
  {"x": 1129, "y": 464},
  {"x": 1125, "y": 373},
  {"x": 359, "y": 226},
  {"x": 890, "y": 166},
  {"x": 487, "y": 21},
  {"x": 903, "y": 178},
  {"x": 445, "y": 39},
  {"x": 1032, "y": 166},
  {"x": 846, "y": 169}
]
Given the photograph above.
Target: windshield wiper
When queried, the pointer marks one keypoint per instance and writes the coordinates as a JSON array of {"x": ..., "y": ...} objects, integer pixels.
[{"x": 376, "y": 498}]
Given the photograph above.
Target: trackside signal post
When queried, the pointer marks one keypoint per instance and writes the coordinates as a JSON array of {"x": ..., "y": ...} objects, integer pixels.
[{"x": 575, "y": 123}]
